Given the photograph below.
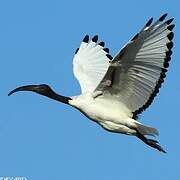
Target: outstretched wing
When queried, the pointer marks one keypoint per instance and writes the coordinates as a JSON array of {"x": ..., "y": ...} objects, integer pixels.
[
  {"x": 138, "y": 70},
  {"x": 90, "y": 63}
]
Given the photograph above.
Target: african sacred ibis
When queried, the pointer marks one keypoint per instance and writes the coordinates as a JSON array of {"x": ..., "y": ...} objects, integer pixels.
[{"x": 115, "y": 90}]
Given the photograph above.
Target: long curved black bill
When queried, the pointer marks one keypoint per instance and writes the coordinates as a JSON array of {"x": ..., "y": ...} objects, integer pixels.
[{"x": 24, "y": 88}]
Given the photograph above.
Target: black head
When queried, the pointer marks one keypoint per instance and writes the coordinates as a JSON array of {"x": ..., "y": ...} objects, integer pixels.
[{"x": 42, "y": 89}]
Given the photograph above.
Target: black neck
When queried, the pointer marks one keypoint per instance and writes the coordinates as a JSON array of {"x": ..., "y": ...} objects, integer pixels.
[{"x": 51, "y": 94}]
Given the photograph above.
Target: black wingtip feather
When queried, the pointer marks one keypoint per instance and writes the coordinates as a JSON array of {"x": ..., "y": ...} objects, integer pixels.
[
  {"x": 102, "y": 44},
  {"x": 86, "y": 39},
  {"x": 77, "y": 50},
  {"x": 170, "y": 27},
  {"x": 106, "y": 50},
  {"x": 168, "y": 53},
  {"x": 149, "y": 22},
  {"x": 109, "y": 56},
  {"x": 166, "y": 64},
  {"x": 169, "y": 21},
  {"x": 170, "y": 36},
  {"x": 169, "y": 45},
  {"x": 95, "y": 38},
  {"x": 163, "y": 17},
  {"x": 163, "y": 71},
  {"x": 167, "y": 59}
]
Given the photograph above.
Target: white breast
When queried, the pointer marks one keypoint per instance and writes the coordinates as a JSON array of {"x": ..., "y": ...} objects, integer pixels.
[{"x": 101, "y": 109}]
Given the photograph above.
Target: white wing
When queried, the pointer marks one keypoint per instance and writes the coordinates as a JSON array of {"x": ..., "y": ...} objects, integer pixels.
[
  {"x": 137, "y": 71},
  {"x": 90, "y": 63}
]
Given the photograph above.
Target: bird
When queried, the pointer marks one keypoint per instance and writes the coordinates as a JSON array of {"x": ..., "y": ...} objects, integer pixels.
[{"x": 115, "y": 90}]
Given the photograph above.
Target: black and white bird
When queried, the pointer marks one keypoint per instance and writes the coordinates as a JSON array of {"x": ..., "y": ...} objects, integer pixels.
[{"x": 115, "y": 90}]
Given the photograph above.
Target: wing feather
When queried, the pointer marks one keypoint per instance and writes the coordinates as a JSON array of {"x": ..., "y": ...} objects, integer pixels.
[
  {"x": 138, "y": 70},
  {"x": 90, "y": 64}
]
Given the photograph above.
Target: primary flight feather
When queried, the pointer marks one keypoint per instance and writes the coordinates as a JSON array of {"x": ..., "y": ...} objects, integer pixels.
[{"x": 115, "y": 90}]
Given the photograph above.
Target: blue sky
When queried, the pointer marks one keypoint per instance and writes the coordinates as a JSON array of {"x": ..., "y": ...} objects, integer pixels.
[{"x": 43, "y": 139}]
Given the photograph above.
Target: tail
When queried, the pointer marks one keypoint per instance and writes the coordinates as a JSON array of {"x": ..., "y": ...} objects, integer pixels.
[{"x": 145, "y": 130}]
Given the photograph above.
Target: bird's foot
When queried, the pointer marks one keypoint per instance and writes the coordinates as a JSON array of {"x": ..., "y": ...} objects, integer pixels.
[{"x": 153, "y": 143}]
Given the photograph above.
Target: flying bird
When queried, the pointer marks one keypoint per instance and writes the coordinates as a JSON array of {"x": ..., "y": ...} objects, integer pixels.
[{"x": 115, "y": 90}]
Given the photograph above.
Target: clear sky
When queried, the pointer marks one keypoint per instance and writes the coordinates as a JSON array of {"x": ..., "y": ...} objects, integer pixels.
[{"x": 41, "y": 139}]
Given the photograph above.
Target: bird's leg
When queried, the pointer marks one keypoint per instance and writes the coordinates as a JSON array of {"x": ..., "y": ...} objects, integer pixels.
[{"x": 151, "y": 142}]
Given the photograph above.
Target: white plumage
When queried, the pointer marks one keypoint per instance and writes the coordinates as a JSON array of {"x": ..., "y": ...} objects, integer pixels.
[
  {"x": 129, "y": 83},
  {"x": 90, "y": 65},
  {"x": 115, "y": 90}
]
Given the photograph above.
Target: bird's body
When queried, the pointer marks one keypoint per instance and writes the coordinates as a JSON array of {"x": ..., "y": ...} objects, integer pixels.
[
  {"x": 103, "y": 110},
  {"x": 110, "y": 113},
  {"x": 116, "y": 90}
]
